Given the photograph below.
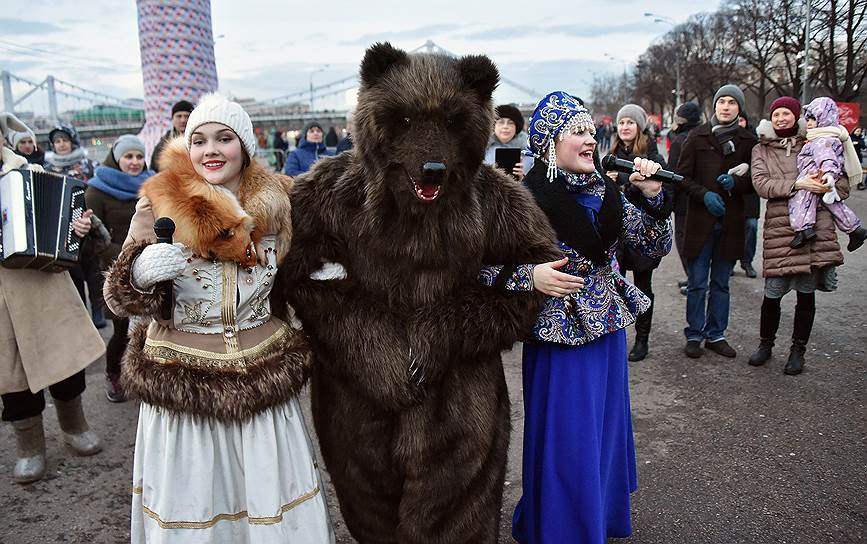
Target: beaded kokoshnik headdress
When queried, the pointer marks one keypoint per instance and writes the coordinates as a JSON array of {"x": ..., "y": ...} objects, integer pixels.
[{"x": 558, "y": 115}]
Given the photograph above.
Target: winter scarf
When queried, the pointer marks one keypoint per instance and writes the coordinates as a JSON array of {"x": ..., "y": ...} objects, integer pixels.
[
  {"x": 852, "y": 165},
  {"x": 65, "y": 161},
  {"x": 118, "y": 184},
  {"x": 725, "y": 134}
]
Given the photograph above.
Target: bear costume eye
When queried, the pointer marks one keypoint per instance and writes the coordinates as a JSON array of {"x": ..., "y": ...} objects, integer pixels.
[{"x": 407, "y": 121}]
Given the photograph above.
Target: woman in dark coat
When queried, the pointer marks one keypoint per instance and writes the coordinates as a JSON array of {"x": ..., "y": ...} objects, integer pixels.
[
  {"x": 631, "y": 141},
  {"x": 112, "y": 194}
]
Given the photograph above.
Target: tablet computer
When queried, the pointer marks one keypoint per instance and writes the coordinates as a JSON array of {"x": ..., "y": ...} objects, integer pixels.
[{"x": 506, "y": 158}]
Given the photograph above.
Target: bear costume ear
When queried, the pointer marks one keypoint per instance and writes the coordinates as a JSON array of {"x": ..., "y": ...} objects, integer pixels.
[
  {"x": 479, "y": 74},
  {"x": 378, "y": 60}
]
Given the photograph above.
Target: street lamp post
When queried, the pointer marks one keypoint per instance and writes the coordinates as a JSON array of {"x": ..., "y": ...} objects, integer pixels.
[
  {"x": 311, "y": 83},
  {"x": 806, "y": 72},
  {"x": 668, "y": 20},
  {"x": 615, "y": 59}
]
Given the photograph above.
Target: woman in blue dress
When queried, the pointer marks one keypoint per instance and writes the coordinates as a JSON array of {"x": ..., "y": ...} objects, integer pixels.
[{"x": 579, "y": 458}]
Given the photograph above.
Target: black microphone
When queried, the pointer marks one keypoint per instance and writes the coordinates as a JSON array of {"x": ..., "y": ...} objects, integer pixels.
[
  {"x": 610, "y": 162},
  {"x": 164, "y": 228}
]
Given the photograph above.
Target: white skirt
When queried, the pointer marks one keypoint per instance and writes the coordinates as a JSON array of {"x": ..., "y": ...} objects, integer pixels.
[{"x": 201, "y": 481}]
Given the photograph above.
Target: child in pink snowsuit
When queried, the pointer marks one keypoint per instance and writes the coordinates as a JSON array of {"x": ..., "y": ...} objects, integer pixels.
[{"x": 826, "y": 150}]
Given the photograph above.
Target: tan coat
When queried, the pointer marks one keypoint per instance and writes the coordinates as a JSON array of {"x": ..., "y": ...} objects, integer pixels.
[
  {"x": 46, "y": 333},
  {"x": 774, "y": 171}
]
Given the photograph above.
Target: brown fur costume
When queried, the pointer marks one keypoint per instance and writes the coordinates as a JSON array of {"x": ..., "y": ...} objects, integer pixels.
[
  {"x": 409, "y": 396},
  {"x": 226, "y": 392}
]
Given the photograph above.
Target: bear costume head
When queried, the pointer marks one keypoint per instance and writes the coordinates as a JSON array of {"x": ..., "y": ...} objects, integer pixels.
[{"x": 424, "y": 121}]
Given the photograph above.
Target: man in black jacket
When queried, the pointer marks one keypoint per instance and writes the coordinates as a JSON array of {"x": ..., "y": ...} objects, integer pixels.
[
  {"x": 686, "y": 118},
  {"x": 180, "y": 113}
]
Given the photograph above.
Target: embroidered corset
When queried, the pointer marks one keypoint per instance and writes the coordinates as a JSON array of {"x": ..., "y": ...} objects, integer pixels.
[
  {"x": 607, "y": 302},
  {"x": 213, "y": 297}
]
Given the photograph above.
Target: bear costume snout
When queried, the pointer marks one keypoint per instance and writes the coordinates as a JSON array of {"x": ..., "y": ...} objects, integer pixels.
[{"x": 417, "y": 110}]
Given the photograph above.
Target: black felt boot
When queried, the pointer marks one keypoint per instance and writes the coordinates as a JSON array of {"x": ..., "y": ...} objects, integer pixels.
[
  {"x": 795, "y": 364},
  {"x": 802, "y": 237},
  {"x": 639, "y": 349},
  {"x": 763, "y": 353},
  {"x": 856, "y": 239},
  {"x": 642, "y": 333}
]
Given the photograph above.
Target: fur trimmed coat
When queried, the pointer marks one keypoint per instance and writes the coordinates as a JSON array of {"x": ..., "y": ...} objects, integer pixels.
[
  {"x": 217, "y": 356},
  {"x": 46, "y": 334}
]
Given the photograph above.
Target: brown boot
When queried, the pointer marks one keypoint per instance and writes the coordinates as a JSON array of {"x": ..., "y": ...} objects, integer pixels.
[
  {"x": 30, "y": 442},
  {"x": 76, "y": 432}
]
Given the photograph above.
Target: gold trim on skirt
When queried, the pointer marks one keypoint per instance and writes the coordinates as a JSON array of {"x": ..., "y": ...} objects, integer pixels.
[{"x": 269, "y": 520}]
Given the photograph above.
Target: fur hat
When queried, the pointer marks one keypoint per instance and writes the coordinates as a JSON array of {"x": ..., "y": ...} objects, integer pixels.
[
  {"x": 9, "y": 123},
  {"x": 216, "y": 108},
  {"x": 634, "y": 112},
  {"x": 791, "y": 104},
  {"x": 183, "y": 105},
  {"x": 510, "y": 112},
  {"x": 733, "y": 91},
  {"x": 67, "y": 130},
  {"x": 127, "y": 142}
]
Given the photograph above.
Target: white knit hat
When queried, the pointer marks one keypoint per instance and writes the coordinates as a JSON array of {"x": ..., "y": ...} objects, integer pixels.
[
  {"x": 216, "y": 108},
  {"x": 14, "y": 137}
]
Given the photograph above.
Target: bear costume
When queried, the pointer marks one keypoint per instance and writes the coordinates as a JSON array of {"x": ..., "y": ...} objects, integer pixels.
[{"x": 409, "y": 395}]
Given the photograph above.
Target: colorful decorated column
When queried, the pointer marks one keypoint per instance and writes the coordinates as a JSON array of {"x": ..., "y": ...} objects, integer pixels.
[{"x": 177, "y": 58}]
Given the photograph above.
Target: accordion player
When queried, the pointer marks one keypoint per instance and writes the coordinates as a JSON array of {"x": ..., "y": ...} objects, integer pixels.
[{"x": 37, "y": 210}]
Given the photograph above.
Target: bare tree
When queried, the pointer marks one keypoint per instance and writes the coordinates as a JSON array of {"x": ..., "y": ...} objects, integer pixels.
[
  {"x": 839, "y": 44},
  {"x": 609, "y": 93}
]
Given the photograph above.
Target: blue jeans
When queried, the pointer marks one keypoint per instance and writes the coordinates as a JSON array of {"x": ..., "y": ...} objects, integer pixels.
[
  {"x": 708, "y": 324},
  {"x": 751, "y": 227}
]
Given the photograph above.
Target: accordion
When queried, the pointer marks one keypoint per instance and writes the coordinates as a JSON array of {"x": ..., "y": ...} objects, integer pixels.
[{"x": 36, "y": 215}]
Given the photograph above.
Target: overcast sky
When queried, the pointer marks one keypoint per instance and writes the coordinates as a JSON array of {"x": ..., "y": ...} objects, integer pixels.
[{"x": 270, "y": 48}]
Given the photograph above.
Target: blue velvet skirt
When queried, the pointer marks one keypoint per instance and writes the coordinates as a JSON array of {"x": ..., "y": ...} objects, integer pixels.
[{"x": 579, "y": 457}]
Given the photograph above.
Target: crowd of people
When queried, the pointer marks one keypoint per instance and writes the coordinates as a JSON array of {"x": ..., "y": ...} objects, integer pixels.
[{"x": 207, "y": 445}]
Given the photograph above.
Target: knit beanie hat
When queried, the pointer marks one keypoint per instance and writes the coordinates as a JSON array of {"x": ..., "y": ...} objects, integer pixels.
[
  {"x": 634, "y": 112},
  {"x": 309, "y": 125},
  {"x": 556, "y": 116},
  {"x": 182, "y": 105},
  {"x": 733, "y": 91},
  {"x": 688, "y": 114},
  {"x": 15, "y": 137},
  {"x": 787, "y": 102},
  {"x": 127, "y": 142},
  {"x": 216, "y": 108},
  {"x": 510, "y": 112}
]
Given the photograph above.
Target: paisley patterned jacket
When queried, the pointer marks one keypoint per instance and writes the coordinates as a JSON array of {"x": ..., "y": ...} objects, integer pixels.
[{"x": 608, "y": 302}]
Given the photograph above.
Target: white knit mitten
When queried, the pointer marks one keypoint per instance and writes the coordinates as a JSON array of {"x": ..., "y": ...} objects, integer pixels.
[
  {"x": 831, "y": 196},
  {"x": 156, "y": 263},
  {"x": 329, "y": 271},
  {"x": 740, "y": 170}
]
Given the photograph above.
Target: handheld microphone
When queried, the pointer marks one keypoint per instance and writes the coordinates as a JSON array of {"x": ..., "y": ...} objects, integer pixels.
[
  {"x": 164, "y": 228},
  {"x": 610, "y": 162}
]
